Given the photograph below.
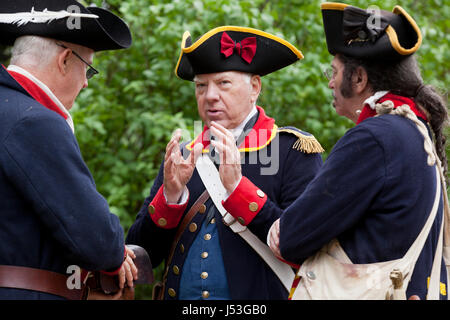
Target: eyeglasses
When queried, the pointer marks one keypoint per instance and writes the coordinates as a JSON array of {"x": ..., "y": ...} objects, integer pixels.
[
  {"x": 91, "y": 71},
  {"x": 329, "y": 73}
]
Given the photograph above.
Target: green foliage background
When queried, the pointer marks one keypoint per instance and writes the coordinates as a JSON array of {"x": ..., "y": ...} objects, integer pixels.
[{"x": 125, "y": 117}]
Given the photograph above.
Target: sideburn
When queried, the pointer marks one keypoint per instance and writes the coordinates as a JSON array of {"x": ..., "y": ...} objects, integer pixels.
[{"x": 346, "y": 84}]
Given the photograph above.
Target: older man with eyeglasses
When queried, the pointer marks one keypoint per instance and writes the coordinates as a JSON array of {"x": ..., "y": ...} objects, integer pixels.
[{"x": 54, "y": 221}]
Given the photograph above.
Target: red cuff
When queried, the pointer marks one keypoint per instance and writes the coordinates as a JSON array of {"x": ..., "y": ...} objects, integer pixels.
[
  {"x": 115, "y": 272},
  {"x": 166, "y": 216},
  {"x": 245, "y": 202}
]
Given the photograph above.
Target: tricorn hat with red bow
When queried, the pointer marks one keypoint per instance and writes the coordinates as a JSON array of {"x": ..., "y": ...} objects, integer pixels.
[
  {"x": 371, "y": 33},
  {"x": 233, "y": 48}
]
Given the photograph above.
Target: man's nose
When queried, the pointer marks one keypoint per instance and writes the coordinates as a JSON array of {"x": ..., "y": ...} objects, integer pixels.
[
  {"x": 331, "y": 84},
  {"x": 212, "y": 92}
]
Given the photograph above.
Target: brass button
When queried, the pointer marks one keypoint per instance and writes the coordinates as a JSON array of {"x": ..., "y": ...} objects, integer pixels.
[
  {"x": 162, "y": 222},
  {"x": 181, "y": 248},
  {"x": 260, "y": 193},
  {"x": 204, "y": 255},
  {"x": 172, "y": 292},
  {"x": 151, "y": 209},
  {"x": 176, "y": 270},
  {"x": 205, "y": 294},
  {"x": 241, "y": 220},
  {"x": 204, "y": 275},
  {"x": 202, "y": 209},
  {"x": 253, "y": 206},
  {"x": 193, "y": 227},
  {"x": 207, "y": 236},
  {"x": 213, "y": 220}
]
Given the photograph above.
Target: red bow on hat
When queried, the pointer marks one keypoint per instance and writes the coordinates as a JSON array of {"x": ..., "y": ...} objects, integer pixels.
[{"x": 246, "y": 48}]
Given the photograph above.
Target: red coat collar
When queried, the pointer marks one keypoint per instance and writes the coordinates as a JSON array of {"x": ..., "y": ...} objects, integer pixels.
[
  {"x": 368, "y": 112},
  {"x": 36, "y": 93},
  {"x": 261, "y": 135}
]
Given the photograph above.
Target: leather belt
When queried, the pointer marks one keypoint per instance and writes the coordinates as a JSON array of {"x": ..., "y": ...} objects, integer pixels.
[{"x": 38, "y": 280}]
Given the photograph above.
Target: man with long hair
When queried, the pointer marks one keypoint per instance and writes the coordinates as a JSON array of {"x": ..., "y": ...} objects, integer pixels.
[{"x": 376, "y": 207}]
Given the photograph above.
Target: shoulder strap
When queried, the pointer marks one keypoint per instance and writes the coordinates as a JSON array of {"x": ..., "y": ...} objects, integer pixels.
[
  {"x": 305, "y": 143},
  {"x": 443, "y": 245},
  {"x": 387, "y": 107},
  {"x": 211, "y": 179}
]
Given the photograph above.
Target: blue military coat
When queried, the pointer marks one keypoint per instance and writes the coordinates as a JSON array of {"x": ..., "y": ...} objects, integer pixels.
[
  {"x": 52, "y": 215},
  {"x": 248, "y": 276},
  {"x": 374, "y": 194}
]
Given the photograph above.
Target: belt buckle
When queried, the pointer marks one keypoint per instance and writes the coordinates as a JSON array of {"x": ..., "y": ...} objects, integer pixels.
[{"x": 224, "y": 218}]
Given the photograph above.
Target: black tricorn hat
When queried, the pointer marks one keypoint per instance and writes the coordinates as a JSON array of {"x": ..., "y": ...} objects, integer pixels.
[
  {"x": 233, "y": 48},
  {"x": 370, "y": 34},
  {"x": 65, "y": 20}
]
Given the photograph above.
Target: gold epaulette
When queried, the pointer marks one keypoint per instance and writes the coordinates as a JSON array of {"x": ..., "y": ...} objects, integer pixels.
[{"x": 306, "y": 142}]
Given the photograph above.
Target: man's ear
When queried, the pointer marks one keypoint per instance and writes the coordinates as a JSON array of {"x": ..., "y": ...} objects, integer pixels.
[
  {"x": 62, "y": 60},
  {"x": 360, "y": 80},
  {"x": 255, "y": 82}
]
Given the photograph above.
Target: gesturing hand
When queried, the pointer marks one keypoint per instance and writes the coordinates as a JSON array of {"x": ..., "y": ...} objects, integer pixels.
[
  {"x": 230, "y": 157},
  {"x": 177, "y": 170}
]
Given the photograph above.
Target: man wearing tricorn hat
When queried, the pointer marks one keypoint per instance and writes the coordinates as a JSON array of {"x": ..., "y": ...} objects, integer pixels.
[
  {"x": 214, "y": 242},
  {"x": 53, "y": 218},
  {"x": 373, "y": 223}
]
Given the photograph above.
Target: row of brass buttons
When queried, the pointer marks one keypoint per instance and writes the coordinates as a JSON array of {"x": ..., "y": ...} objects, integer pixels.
[{"x": 176, "y": 270}]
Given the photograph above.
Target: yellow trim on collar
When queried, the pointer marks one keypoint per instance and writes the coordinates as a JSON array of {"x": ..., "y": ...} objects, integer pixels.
[
  {"x": 393, "y": 35},
  {"x": 272, "y": 136},
  {"x": 214, "y": 31},
  {"x": 333, "y": 6}
]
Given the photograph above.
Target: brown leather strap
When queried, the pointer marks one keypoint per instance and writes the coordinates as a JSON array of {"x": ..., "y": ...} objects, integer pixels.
[
  {"x": 37, "y": 280},
  {"x": 187, "y": 218},
  {"x": 182, "y": 226},
  {"x": 159, "y": 288}
]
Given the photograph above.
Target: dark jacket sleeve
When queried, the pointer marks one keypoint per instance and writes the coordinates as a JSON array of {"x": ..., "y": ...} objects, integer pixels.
[
  {"x": 297, "y": 170},
  {"x": 291, "y": 173},
  {"x": 336, "y": 199},
  {"x": 45, "y": 164},
  {"x": 145, "y": 233}
]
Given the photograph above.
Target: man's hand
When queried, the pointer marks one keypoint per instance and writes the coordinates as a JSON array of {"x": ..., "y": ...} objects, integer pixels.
[
  {"x": 177, "y": 170},
  {"x": 128, "y": 271},
  {"x": 230, "y": 157},
  {"x": 274, "y": 239}
]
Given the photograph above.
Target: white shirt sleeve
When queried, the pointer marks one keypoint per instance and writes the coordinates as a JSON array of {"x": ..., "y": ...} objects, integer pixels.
[{"x": 183, "y": 198}]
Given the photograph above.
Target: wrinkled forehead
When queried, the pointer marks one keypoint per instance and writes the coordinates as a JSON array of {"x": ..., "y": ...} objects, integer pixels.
[{"x": 237, "y": 75}]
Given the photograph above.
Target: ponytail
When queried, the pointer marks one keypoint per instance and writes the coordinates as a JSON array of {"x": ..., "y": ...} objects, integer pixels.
[{"x": 434, "y": 106}]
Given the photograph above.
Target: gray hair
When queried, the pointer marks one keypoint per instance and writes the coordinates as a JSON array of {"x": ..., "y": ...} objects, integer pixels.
[{"x": 33, "y": 51}]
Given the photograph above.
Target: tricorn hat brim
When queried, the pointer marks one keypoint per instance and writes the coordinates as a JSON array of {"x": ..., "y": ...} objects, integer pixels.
[
  {"x": 270, "y": 53},
  {"x": 104, "y": 32},
  {"x": 370, "y": 34}
]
